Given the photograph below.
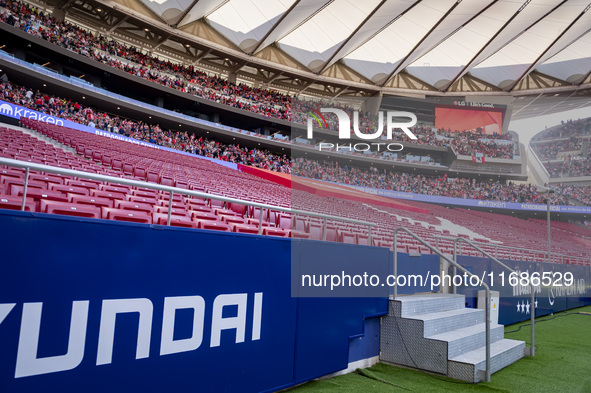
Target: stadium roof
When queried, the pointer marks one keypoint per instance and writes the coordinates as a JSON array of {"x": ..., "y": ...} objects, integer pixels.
[{"x": 414, "y": 45}]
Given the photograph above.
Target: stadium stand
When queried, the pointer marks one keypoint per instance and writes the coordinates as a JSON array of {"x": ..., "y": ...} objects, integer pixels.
[
  {"x": 261, "y": 158},
  {"x": 265, "y": 102},
  {"x": 564, "y": 149},
  {"x": 99, "y": 154},
  {"x": 205, "y": 243},
  {"x": 153, "y": 133},
  {"x": 470, "y": 188}
]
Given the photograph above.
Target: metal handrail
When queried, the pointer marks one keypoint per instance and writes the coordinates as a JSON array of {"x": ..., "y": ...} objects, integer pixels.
[
  {"x": 497, "y": 246},
  {"x": 119, "y": 180},
  {"x": 455, "y": 264},
  {"x": 532, "y": 349}
]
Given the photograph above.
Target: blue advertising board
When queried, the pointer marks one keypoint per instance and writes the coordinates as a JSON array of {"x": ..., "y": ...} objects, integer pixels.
[
  {"x": 473, "y": 202},
  {"x": 16, "y": 112},
  {"x": 515, "y": 304},
  {"x": 94, "y": 306}
]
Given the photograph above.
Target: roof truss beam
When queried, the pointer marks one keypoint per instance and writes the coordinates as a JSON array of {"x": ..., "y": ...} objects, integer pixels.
[
  {"x": 346, "y": 41},
  {"x": 185, "y": 12},
  {"x": 118, "y": 23},
  {"x": 268, "y": 33},
  {"x": 536, "y": 62},
  {"x": 262, "y": 41},
  {"x": 418, "y": 44},
  {"x": 472, "y": 63}
]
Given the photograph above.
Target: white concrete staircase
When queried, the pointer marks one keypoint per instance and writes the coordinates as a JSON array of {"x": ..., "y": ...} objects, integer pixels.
[{"x": 437, "y": 333}]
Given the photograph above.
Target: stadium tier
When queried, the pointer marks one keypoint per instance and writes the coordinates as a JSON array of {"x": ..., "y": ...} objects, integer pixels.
[
  {"x": 257, "y": 196},
  {"x": 262, "y": 158},
  {"x": 269, "y": 103},
  {"x": 153, "y": 133},
  {"x": 564, "y": 149},
  {"x": 100, "y": 154}
]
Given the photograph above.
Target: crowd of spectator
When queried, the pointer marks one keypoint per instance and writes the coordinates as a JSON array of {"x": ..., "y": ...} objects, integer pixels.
[
  {"x": 564, "y": 143},
  {"x": 558, "y": 149},
  {"x": 153, "y": 133},
  {"x": 465, "y": 142},
  {"x": 132, "y": 60},
  {"x": 187, "y": 78},
  {"x": 467, "y": 188},
  {"x": 566, "y": 129},
  {"x": 261, "y": 158},
  {"x": 274, "y": 104},
  {"x": 569, "y": 168},
  {"x": 580, "y": 193}
]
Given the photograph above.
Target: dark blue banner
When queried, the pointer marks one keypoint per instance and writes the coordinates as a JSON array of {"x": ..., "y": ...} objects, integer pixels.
[
  {"x": 556, "y": 287},
  {"x": 95, "y": 306},
  {"x": 474, "y": 202}
]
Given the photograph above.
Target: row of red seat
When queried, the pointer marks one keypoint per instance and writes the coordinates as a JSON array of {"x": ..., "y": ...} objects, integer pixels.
[{"x": 100, "y": 154}]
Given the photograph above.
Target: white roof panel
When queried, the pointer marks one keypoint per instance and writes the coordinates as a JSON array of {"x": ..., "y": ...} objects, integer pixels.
[
  {"x": 436, "y": 41},
  {"x": 572, "y": 63},
  {"x": 313, "y": 42},
  {"x": 244, "y": 21}
]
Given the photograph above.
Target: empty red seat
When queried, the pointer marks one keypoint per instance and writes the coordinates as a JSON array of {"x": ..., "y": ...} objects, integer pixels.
[
  {"x": 69, "y": 189},
  {"x": 197, "y": 215},
  {"x": 107, "y": 194},
  {"x": 126, "y": 215},
  {"x": 165, "y": 196},
  {"x": 47, "y": 178},
  {"x": 274, "y": 216},
  {"x": 175, "y": 211},
  {"x": 114, "y": 188},
  {"x": 152, "y": 177},
  {"x": 181, "y": 184},
  {"x": 216, "y": 203},
  {"x": 131, "y": 205},
  {"x": 127, "y": 168},
  {"x": 315, "y": 231},
  {"x": 284, "y": 222},
  {"x": 54, "y": 207},
  {"x": 13, "y": 184},
  {"x": 177, "y": 204},
  {"x": 382, "y": 243},
  {"x": 195, "y": 202},
  {"x": 243, "y": 228},
  {"x": 167, "y": 181},
  {"x": 89, "y": 200},
  {"x": 232, "y": 219},
  {"x": 117, "y": 164},
  {"x": 145, "y": 193},
  {"x": 255, "y": 212},
  {"x": 299, "y": 235},
  {"x": 426, "y": 250},
  {"x": 13, "y": 202},
  {"x": 178, "y": 221},
  {"x": 267, "y": 231},
  {"x": 215, "y": 225},
  {"x": 362, "y": 239},
  {"x": 140, "y": 199},
  {"x": 237, "y": 208},
  {"x": 332, "y": 234},
  {"x": 139, "y": 172},
  {"x": 347, "y": 237},
  {"x": 89, "y": 184},
  {"x": 197, "y": 208},
  {"x": 301, "y": 224}
]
